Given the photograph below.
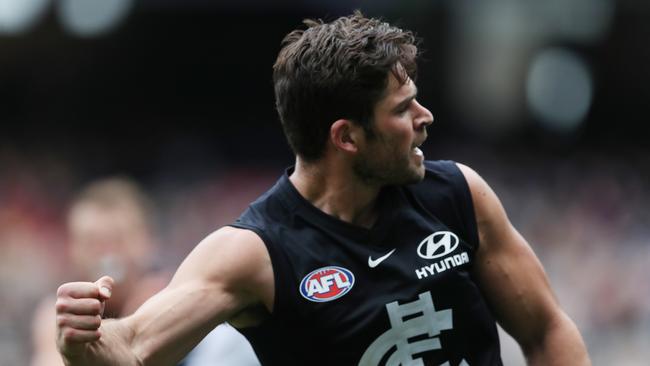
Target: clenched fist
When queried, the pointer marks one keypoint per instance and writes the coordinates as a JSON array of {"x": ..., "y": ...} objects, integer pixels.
[{"x": 79, "y": 310}]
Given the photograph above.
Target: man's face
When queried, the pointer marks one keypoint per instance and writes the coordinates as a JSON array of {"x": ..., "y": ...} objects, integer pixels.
[
  {"x": 107, "y": 241},
  {"x": 392, "y": 155}
]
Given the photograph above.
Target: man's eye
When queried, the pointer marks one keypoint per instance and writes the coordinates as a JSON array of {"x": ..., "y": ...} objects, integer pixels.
[{"x": 402, "y": 110}]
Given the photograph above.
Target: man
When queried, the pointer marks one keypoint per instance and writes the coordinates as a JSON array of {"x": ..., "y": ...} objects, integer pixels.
[
  {"x": 109, "y": 229},
  {"x": 363, "y": 253},
  {"x": 110, "y": 232}
]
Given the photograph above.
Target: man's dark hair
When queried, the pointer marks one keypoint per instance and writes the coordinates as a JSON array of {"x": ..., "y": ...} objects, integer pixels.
[{"x": 337, "y": 70}]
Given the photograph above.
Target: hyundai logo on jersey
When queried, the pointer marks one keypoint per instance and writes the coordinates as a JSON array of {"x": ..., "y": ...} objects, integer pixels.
[
  {"x": 326, "y": 284},
  {"x": 438, "y": 245}
]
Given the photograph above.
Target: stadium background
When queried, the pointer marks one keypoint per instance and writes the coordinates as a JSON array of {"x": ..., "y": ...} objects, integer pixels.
[{"x": 547, "y": 100}]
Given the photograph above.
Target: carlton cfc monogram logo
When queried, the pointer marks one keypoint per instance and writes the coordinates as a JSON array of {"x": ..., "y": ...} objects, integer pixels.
[{"x": 326, "y": 284}]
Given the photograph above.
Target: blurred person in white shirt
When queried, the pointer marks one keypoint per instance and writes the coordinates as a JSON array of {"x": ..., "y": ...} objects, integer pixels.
[{"x": 110, "y": 231}]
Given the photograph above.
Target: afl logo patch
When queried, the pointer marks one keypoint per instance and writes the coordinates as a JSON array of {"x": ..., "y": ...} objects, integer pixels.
[{"x": 326, "y": 284}]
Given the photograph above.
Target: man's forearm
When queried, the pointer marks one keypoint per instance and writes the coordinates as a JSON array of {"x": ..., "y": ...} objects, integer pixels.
[
  {"x": 561, "y": 345},
  {"x": 112, "y": 349}
]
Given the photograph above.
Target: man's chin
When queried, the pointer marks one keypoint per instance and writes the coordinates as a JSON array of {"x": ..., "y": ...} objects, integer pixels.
[
  {"x": 414, "y": 176},
  {"x": 420, "y": 172},
  {"x": 417, "y": 179}
]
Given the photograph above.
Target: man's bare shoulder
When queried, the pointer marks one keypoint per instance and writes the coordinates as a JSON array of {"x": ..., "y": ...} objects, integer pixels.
[
  {"x": 243, "y": 247},
  {"x": 238, "y": 260},
  {"x": 233, "y": 234},
  {"x": 487, "y": 206},
  {"x": 474, "y": 181}
]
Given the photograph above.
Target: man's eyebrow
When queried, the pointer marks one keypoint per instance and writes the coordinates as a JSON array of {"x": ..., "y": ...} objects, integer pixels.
[{"x": 406, "y": 100}]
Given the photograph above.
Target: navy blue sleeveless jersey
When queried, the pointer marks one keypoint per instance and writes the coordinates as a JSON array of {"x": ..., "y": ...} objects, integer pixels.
[{"x": 399, "y": 293}]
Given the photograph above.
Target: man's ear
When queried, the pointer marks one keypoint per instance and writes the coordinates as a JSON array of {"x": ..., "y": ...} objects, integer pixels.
[{"x": 346, "y": 135}]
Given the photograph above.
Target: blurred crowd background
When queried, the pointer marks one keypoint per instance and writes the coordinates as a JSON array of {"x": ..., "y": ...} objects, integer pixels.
[{"x": 548, "y": 100}]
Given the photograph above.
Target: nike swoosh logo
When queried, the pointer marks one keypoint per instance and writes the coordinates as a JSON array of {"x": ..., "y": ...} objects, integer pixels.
[{"x": 372, "y": 263}]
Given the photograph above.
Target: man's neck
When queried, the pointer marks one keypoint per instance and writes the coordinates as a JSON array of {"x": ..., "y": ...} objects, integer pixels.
[{"x": 337, "y": 191}]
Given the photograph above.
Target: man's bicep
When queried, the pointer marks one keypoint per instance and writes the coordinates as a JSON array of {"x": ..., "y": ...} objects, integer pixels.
[
  {"x": 209, "y": 287},
  {"x": 509, "y": 273},
  {"x": 517, "y": 288}
]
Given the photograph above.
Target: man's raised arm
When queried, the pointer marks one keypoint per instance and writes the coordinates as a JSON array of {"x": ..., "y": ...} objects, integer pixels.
[{"x": 227, "y": 273}]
